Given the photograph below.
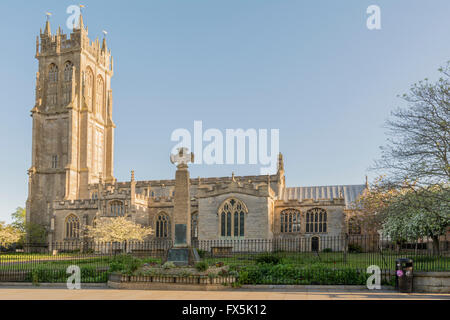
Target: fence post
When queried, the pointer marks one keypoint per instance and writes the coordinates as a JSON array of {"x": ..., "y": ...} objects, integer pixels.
[{"x": 345, "y": 247}]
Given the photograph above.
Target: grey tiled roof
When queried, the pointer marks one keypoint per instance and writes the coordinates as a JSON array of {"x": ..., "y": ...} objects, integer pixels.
[{"x": 350, "y": 192}]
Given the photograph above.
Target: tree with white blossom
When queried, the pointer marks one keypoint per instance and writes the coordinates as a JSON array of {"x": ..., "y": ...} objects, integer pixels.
[
  {"x": 118, "y": 229},
  {"x": 415, "y": 214}
]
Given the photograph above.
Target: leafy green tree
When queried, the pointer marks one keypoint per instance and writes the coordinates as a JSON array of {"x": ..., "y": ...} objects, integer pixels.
[
  {"x": 19, "y": 218},
  {"x": 31, "y": 232},
  {"x": 9, "y": 234},
  {"x": 35, "y": 233}
]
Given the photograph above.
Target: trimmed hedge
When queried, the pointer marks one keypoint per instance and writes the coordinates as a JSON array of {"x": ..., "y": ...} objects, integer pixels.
[
  {"x": 45, "y": 274},
  {"x": 292, "y": 274}
]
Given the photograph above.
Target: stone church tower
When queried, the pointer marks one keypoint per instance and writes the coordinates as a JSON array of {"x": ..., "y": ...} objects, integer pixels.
[
  {"x": 73, "y": 130},
  {"x": 71, "y": 181}
]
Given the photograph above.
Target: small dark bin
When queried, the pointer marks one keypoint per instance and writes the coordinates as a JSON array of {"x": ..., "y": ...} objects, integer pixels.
[{"x": 404, "y": 275}]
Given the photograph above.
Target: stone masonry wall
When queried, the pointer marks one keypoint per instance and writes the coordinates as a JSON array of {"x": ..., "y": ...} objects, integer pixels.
[{"x": 256, "y": 221}]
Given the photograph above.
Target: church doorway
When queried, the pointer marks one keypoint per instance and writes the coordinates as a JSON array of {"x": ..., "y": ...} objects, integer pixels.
[{"x": 315, "y": 244}]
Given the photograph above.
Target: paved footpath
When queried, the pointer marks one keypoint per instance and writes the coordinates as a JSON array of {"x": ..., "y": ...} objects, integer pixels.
[{"x": 32, "y": 293}]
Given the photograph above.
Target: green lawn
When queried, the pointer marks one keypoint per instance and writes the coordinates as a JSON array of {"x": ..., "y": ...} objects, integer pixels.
[
  {"x": 25, "y": 261},
  {"x": 11, "y": 257},
  {"x": 289, "y": 268},
  {"x": 30, "y": 261},
  {"x": 337, "y": 260},
  {"x": 49, "y": 268}
]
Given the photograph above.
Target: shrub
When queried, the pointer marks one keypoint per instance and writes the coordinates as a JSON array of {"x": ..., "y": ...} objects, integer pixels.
[
  {"x": 268, "y": 258},
  {"x": 132, "y": 266},
  {"x": 168, "y": 265},
  {"x": 327, "y": 250},
  {"x": 125, "y": 263},
  {"x": 355, "y": 248},
  {"x": 223, "y": 273},
  {"x": 202, "y": 266},
  {"x": 201, "y": 253},
  {"x": 185, "y": 274},
  {"x": 115, "y": 266},
  {"x": 294, "y": 274},
  {"x": 51, "y": 274}
]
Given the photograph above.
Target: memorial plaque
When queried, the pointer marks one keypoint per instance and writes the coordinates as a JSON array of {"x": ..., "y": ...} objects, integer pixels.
[
  {"x": 180, "y": 234},
  {"x": 179, "y": 256}
]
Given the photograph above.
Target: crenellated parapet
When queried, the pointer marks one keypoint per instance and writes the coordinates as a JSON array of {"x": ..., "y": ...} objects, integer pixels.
[
  {"x": 48, "y": 44},
  {"x": 116, "y": 192},
  {"x": 157, "y": 189},
  {"x": 161, "y": 203},
  {"x": 76, "y": 204},
  {"x": 161, "y": 193}
]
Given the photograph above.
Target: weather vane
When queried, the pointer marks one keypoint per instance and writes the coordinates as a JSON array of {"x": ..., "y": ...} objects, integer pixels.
[
  {"x": 105, "y": 33},
  {"x": 48, "y": 14}
]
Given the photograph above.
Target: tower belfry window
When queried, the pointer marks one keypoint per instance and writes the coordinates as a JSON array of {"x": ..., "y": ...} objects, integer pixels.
[
  {"x": 67, "y": 85},
  {"x": 100, "y": 97},
  {"x": 68, "y": 71},
  {"x": 52, "y": 85},
  {"x": 89, "y": 83},
  {"x": 53, "y": 73}
]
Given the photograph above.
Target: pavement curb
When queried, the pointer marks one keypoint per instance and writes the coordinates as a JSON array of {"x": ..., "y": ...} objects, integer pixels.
[
  {"x": 316, "y": 287},
  {"x": 349, "y": 288},
  {"x": 51, "y": 285}
]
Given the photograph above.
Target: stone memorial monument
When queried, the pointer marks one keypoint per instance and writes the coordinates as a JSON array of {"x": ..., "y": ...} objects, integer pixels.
[{"x": 182, "y": 253}]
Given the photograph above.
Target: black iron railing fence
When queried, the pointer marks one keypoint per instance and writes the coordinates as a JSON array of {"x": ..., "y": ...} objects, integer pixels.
[
  {"x": 294, "y": 257},
  {"x": 357, "y": 252}
]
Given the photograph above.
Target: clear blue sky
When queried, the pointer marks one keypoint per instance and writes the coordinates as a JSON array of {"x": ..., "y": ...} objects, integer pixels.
[{"x": 308, "y": 68}]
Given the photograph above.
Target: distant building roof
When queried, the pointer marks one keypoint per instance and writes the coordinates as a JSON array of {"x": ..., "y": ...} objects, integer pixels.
[{"x": 350, "y": 193}]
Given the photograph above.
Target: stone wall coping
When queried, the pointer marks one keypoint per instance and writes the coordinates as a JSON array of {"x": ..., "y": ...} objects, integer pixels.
[
  {"x": 444, "y": 274},
  {"x": 309, "y": 202}
]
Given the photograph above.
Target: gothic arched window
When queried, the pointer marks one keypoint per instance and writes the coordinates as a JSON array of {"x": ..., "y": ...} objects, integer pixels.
[
  {"x": 52, "y": 88},
  {"x": 232, "y": 218},
  {"x": 72, "y": 227},
  {"x": 68, "y": 67},
  {"x": 53, "y": 73},
  {"x": 162, "y": 226},
  {"x": 67, "y": 85},
  {"x": 290, "y": 220},
  {"x": 194, "y": 225},
  {"x": 116, "y": 209},
  {"x": 89, "y": 85},
  {"x": 316, "y": 220},
  {"x": 99, "y": 97}
]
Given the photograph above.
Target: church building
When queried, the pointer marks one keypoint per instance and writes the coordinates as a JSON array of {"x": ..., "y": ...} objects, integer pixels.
[{"x": 71, "y": 179}]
